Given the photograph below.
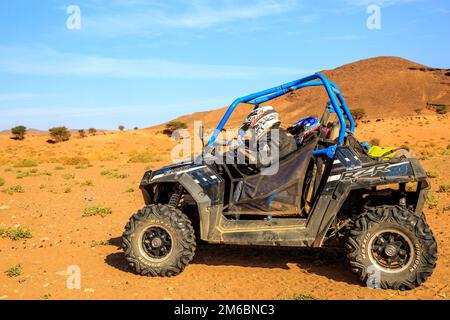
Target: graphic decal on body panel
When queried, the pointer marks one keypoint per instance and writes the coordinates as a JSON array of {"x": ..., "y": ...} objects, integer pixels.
[{"x": 367, "y": 172}]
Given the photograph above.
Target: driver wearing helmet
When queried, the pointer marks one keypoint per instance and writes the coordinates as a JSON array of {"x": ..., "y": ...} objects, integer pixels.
[{"x": 262, "y": 122}]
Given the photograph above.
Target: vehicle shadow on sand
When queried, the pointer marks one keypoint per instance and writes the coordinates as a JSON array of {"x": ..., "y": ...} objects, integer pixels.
[{"x": 327, "y": 262}]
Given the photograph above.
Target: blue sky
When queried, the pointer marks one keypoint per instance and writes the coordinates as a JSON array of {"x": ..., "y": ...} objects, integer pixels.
[{"x": 140, "y": 63}]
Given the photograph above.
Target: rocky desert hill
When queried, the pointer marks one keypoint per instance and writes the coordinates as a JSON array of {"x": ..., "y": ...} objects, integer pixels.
[{"x": 385, "y": 87}]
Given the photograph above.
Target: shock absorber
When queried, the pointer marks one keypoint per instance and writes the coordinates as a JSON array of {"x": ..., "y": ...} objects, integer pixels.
[{"x": 176, "y": 196}]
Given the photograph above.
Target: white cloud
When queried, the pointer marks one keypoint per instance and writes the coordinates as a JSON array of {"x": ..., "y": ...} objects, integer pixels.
[
  {"x": 48, "y": 62},
  {"x": 150, "y": 19}
]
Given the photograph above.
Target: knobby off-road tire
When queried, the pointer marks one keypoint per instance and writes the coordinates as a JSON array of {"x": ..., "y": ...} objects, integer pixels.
[
  {"x": 161, "y": 225},
  {"x": 381, "y": 232}
]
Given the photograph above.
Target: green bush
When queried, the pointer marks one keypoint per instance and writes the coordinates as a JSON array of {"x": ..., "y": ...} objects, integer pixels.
[
  {"x": 2, "y": 182},
  {"x": 16, "y": 233},
  {"x": 92, "y": 131},
  {"x": 121, "y": 127},
  {"x": 60, "y": 134},
  {"x": 14, "y": 271},
  {"x": 174, "y": 125},
  {"x": 19, "y": 132},
  {"x": 14, "y": 189},
  {"x": 301, "y": 296},
  {"x": 26, "y": 163},
  {"x": 82, "y": 133},
  {"x": 432, "y": 201},
  {"x": 96, "y": 211}
]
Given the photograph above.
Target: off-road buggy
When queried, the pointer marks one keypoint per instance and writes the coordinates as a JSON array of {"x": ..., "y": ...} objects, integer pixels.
[{"x": 329, "y": 192}]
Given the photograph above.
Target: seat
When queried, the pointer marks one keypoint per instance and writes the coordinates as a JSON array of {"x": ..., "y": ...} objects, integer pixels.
[{"x": 280, "y": 193}]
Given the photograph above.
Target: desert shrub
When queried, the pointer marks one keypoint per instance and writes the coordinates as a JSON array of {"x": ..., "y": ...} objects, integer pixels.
[
  {"x": 143, "y": 157},
  {"x": 73, "y": 161},
  {"x": 26, "y": 163},
  {"x": 135, "y": 128},
  {"x": 418, "y": 110},
  {"x": 94, "y": 243},
  {"x": 32, "y": 173},
  {"x": 432, "y": 201},
  {"x": 16, "y": 233},
  {"x": 58, "y": 168},
  {"x": 92, "y": 131},
  {"x": 67, "y": 190},
  {"x": 87, "y": 183},
  {"x": 109, "y": 174},
  {"x": 121, "y": 127},
  {"x": 68, "y": 176},
  {"x": 60, "y": 134},
  {"x": 358, "y": 113},
  {"x": 2, "y": 182},
  {"x": 174, "y": 125},
  {"x": 105, "y": 173},
  {"x": 82, "y": 133},
  {"x": 301, "y": 296},
  {"x": 129, "y": 190},
  {"x": 14, "y": 189},
  {"x": 441, "y": 109},
  {"x": 19, "y": 132},
  {"x": 444, "y": 188},
  {"x": 431, "y": 174},
  {"x": 374, "y": 142},
  {"x": 14, "y": 271},
  {"x": 96, "y": 211}
]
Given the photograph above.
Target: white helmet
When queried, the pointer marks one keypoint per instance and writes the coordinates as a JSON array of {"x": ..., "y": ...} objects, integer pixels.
[{"x": 261, "y": 119}]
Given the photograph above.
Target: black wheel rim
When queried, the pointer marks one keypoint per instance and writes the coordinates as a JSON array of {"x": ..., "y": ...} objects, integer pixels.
[
  {"x": 391, "y": 250},
  {"x": 156, "y": 243}
]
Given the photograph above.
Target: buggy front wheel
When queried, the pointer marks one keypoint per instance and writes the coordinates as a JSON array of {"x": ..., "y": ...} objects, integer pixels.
[{"x": 159, "y": 240}]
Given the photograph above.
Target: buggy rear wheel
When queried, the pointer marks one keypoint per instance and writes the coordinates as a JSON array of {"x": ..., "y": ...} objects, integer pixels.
[
  {"x": 159, "y": 240},
  {"x": 392, "y": 248}
]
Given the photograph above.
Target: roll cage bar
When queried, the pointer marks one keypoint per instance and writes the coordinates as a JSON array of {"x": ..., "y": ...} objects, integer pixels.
[{"x": 338, "y": 104}]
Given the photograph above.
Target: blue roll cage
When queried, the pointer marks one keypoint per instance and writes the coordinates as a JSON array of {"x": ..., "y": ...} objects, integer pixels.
[{"x": 338, "y": 105}]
